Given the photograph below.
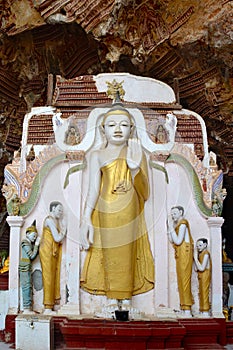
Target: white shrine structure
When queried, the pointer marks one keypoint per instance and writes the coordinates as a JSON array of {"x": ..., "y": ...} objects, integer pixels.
[{"x": 181, "y": 172}]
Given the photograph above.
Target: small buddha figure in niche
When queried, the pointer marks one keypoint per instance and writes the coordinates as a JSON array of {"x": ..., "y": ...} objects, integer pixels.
[
  {"x": 31, "y": 155},
  {"x": 29, "y": 251},
  {"x": 202, "y": 261},
  {"x": 72, "y": 136},
  {"x": 119, "y": 262},
  {"x": 212, "y": 163},
  {"x": 179, "y": 235},
  {"x": 161, "y": 135}
]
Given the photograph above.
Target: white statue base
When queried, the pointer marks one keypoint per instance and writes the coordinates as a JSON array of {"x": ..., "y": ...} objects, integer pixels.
[
  {"x": 108, "y": 311},
  {"x": 33, "y": 332}
]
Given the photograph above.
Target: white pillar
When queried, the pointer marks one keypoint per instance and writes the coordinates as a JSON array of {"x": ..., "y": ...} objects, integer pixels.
[
  {"x": 215, "y": 224},
  {"x": 15, "y": 223}
]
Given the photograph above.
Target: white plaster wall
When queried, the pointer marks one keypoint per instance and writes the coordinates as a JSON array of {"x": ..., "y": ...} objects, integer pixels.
[
  {"x": 156, "y": 210},
  {"x": 137, "y": 89},
  {"x": 162, "y": 197}
]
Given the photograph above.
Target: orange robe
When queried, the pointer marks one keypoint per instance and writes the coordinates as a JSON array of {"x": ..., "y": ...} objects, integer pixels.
[
  {"x": 184, "y": 262},
  {"x": 120, "y": 264},
  {"x": 204, "y": 278},
  {"x": 50, "y": 257}
]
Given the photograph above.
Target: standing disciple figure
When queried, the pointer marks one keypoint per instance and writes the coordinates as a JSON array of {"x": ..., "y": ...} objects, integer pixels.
[
  {"x": 119, "y": 262},
  {"x": 54, "y": 231},
  {"x": 29, "y": 251},
  {"x": 180, "y": 235},
  {"x": 203, "y": 266}
]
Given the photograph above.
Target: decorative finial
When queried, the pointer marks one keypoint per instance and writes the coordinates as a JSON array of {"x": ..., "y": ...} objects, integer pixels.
[{"x": 115, "y": 90}]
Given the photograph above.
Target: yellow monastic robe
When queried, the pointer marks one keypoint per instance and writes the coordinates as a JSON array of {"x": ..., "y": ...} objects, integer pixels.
[
  {"x": 120, "y": 264},
  {"x": 184, "y": 262},
  {"x": 50, "y": 257},
  {"x": 204, "y": 278}
]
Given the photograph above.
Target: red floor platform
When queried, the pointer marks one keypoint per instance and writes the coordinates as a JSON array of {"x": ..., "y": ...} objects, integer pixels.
[
  {"x": 142, "y": 335},
  {"x": 190, "y": 334}
]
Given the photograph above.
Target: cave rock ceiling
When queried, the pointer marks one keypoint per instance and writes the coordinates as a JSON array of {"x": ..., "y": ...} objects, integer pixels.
[{"x": 187, "y": 44}]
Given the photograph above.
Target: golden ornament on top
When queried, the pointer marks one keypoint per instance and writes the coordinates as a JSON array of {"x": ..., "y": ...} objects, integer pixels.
[{"x": 115, "y": 89}]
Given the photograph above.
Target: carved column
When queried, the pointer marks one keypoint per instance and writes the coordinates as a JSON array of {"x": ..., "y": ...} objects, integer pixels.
[
  {"x": 15, "y": 223},
  {"x": 215, "y": 224}
]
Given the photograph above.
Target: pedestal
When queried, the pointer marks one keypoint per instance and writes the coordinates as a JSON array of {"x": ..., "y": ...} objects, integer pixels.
[
  {"x": 143, "y": 335},
  {"x": 72, "y": 333},
  {"x": 34, "y": 332}
]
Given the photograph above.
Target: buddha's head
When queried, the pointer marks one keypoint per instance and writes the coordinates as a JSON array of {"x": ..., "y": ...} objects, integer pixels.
[{"x": 117, "y": 125}]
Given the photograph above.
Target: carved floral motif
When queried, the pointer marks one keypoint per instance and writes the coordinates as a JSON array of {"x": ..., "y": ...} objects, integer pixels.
[{"x": 75, "y": 156}]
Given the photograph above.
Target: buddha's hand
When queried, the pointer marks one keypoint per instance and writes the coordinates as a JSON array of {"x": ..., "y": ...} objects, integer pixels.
[
  {"x": 134, "y": 154},
  {"x": 86, "y": 234}
]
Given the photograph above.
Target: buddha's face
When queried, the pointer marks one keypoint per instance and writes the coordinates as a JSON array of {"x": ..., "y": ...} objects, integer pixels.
[{"x": 117, "y": 129}]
